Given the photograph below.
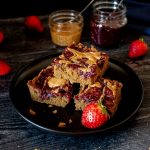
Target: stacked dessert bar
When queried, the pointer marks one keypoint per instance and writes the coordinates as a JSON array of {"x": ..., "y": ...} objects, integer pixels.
[{"x": 77, "y": 64}]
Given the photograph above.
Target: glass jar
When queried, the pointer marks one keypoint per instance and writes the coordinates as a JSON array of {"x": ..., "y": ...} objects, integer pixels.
[
  {"x": 65, "y": 27},
  {"x": 108, "y": 24}
]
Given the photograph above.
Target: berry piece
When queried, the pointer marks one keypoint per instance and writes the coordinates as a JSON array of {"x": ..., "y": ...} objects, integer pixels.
[
  {"x": 4, "y": 68},
  {"x": 94, "y": 115},
  {"x": 34, "y": 23},
  {"x": 1, "y": 37},
  {"x": 137, "y": 48}
]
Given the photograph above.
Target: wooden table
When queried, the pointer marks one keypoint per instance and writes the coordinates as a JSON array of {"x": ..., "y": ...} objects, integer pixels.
[{"x": 21, "y": 47}]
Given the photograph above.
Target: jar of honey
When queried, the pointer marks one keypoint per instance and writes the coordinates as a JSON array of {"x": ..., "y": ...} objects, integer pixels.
[
  {"x": 65, "y": 27},
  {"x": 108, "y": 23}
]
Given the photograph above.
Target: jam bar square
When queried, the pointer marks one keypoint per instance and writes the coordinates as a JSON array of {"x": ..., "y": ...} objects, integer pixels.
[
  {"x": 80, "y": 64},
  {"x": 45, "y": 88},
  {"x": 105, "y": 90}
]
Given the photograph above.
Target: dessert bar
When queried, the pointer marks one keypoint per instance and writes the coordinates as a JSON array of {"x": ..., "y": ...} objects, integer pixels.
[
  {"x": 104, "y": 90},
  {"x": 45, "y": 88},
  {"x": 80, "y": 64}
]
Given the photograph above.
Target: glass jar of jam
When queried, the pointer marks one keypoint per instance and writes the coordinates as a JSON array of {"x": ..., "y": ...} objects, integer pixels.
[
  {"x": 65, "y": 27},
  {"x": 108, "y": 23}
]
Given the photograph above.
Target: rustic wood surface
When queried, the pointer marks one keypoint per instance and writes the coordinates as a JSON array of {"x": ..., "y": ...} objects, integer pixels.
[{"x": 21, "y": 47}]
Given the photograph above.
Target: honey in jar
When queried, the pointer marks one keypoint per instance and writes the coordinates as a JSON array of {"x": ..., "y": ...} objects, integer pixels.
[{"x": 65, "y": 27}]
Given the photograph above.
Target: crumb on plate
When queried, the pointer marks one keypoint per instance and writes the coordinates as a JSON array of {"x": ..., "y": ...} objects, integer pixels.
[
  {"x": 61, "y": 124},
  {"x": 32, "y": 112}
]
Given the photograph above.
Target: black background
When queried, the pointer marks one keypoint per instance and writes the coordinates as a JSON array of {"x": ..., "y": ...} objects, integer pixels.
[{"x": 20, "y": 8}]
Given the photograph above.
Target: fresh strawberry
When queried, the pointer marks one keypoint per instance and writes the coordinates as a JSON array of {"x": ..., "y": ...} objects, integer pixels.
[
  {"x": 34, "y": 23},
  {"x": 1, "y": 37},
  {"x": 137, "y": 48},
  {"x": 4, "y": 68},
  {"x": 94, "y": 115}
]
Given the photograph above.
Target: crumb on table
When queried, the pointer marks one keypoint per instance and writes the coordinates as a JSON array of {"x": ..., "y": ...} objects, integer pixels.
[
  {"x": 70, "y": 120},
  {"x": 54, "y": 111}
]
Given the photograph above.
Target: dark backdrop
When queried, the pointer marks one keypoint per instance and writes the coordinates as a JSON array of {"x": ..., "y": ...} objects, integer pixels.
[
  {"x": 19, "y": 8},
  {"x": 137, "y": 20}
]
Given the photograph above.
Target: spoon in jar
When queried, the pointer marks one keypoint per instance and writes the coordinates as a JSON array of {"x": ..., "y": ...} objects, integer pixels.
[
  {"x": 82, "y": 10},
  {"x": 111, "y": 14}
]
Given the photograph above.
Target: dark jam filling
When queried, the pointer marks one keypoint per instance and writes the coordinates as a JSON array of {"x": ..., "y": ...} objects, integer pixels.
[
  {"x": 68, "y": 54},
  {"x": 83, "y": 62},
  {"x": 106, "y": 36},
  {"x": 74, "y": 66},
  {"x": 91, "y": 95},
  {"x": 109, "y": 99},
  {"x": 65, "y": 90},
  {"x": 80, "y": 47},
  {"x": 89, "y": 74},
  {"x": 42, "y": 77},
  {"x": 102, "y": 61}
]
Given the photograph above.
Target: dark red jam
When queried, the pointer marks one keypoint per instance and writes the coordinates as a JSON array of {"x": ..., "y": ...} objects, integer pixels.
[
  {"x": 68, "y": 54},
  {"x": 65, "y": 90},
  {"x": 89, "y": 74},
  {"x": 106, "y": 36},
  {"x": 101, "y": 62},
  {"x": 83, "y": 62},
  {"x": 107, "y": 23},
  {"x": 74, "y": 66},
  {"x": 109, "y": 99},
  {"x": 91, "y": 95},
  {"x": 80, "y": 47},
  {"x": 48, "y": 72}
]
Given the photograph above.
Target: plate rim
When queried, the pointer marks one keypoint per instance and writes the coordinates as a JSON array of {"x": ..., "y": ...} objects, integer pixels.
[{"x": 111, "y": 60}]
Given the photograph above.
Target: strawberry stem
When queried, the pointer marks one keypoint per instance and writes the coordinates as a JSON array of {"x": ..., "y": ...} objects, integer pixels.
[
  {"x": 141, "y": 39},
  {"x": 104, "y": 110}
]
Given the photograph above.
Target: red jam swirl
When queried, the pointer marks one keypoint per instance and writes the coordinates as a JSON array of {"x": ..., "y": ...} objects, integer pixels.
[
  {"x": 88, "y": 96},
  {"x": 65, "y": 91},
  {"x": 42, "y": 77}
]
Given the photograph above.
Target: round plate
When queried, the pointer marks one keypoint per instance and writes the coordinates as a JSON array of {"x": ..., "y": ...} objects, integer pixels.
[{"x": 48, "y": 118}]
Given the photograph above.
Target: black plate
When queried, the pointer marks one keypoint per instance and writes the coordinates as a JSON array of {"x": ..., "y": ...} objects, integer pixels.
[{"x": 44, "y": 118}]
